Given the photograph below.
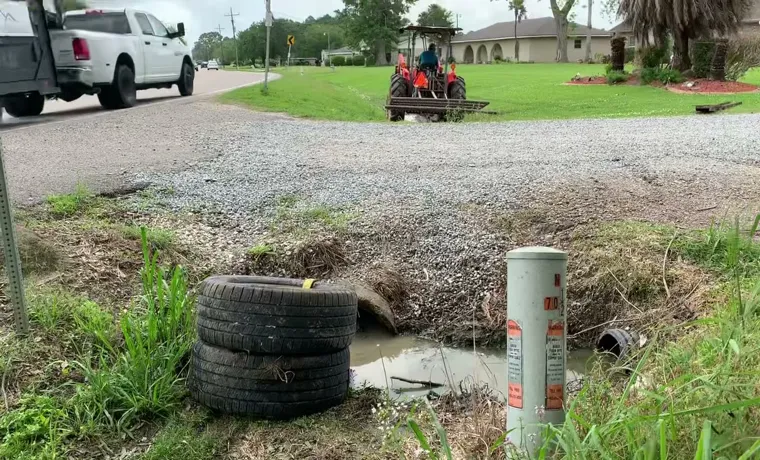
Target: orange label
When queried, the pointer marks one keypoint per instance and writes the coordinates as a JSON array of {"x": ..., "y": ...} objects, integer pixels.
[
  {"x": 557, "y": 280},
  {"x": 515, "y": 395},
  {"x": 514, "y": 364},
  {"x": 554, "y": 397}
]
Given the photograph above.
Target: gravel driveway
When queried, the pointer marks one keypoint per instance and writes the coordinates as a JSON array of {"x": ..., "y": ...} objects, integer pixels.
[{"x": 427, "y": 195}]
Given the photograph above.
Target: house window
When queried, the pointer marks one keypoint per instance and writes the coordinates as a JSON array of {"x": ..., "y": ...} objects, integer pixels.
[{"x": 577, "y": 43}]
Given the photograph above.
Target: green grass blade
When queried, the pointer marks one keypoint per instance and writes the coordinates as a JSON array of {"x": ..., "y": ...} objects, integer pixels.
[
  {"x": 421, "y": 438},
  {"x": 750, "y": 453},
  {"x": 704, "y": 449}
]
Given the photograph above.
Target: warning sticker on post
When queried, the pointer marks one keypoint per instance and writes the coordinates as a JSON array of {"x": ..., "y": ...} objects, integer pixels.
[
  {"x": 555, "y": 365},
  {"x": 515, "y": 368}
]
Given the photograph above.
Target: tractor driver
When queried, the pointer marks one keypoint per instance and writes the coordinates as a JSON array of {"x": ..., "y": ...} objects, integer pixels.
[{"x": 428, "y": 59}]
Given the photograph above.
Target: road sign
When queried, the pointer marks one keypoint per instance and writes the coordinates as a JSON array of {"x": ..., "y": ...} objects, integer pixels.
[
  {"x": 269, "y": 20},
  {"x": 291, "y": 40}
]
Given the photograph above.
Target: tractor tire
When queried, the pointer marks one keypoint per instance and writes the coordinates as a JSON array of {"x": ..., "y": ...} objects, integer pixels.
[
  {"x": 276, "y": 315},
  {"x": 25, "y": 105},
  {"x": 278, "y": 387},
  {"x": 399, "y": 88},
  {"x": 457, "y": 90}
]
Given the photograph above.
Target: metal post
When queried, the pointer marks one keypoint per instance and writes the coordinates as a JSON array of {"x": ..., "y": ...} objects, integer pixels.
[
  {"x": 536, "y": 343},
  {"x": 10, "y": 251},
  {"x": 329, "y": 56},
  {"x": 269, "y": 29}
]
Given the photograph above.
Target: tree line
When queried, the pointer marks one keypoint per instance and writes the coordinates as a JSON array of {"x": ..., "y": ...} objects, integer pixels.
[{"x": 368, "y": 25}]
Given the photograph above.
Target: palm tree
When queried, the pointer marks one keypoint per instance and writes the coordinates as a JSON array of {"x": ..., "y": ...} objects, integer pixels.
[
  {"x": 518, "y": 7},
  {"x": 684, "y": 19}
]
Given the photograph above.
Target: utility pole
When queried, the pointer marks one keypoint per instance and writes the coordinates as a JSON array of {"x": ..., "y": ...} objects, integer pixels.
[
  {"x": 221, "y": 44},
  {"x": 269, "y": 20},
  {"x": 234, "y": 34},
  {"x": 458, "y": 16}
]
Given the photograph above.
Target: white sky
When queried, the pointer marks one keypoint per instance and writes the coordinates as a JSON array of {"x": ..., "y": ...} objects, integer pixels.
[{"x": 204, "y": 15}]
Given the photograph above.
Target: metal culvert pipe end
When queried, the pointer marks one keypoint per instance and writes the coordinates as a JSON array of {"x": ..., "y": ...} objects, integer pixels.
[{"x": 618, "y": 342}]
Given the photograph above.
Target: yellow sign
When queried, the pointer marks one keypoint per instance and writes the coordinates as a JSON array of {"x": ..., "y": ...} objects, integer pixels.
[{"x": 291, "y": 40}]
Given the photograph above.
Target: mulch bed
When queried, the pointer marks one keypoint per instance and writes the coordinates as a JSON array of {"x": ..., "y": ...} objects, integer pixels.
[
  {"x": 704, "y": 86},
  {"x": 698, "y": 86}
]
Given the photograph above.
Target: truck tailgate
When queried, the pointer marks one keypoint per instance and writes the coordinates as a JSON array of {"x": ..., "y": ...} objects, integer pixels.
[{"x": 103, "y": 51}]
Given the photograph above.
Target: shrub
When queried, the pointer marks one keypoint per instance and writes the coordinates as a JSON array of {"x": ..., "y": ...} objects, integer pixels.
[
  {"x": 630, "y": 55},
  {"x": 602, "y": 58},
  {"x": 358, "y": 60},
  {"x": 370, "y": 60},
  {"x": 664, "y": 75},
  {"x": 652, "y": 57},
  {"x": 702, "y": 56},
  {"x": 743, "y": 54},
  {"x": 649, "y": 74},
  {"x": 668, "y": 75},
  {"x": 452, "y": 60},
  {"x": 615, "y": 76},
  {"x": 338, "y": 61}
]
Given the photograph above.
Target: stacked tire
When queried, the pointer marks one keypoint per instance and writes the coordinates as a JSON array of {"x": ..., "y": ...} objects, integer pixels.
[{"x": 272, "y": 347}]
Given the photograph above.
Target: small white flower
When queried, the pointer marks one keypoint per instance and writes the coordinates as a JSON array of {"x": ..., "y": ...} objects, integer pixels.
[{"x": 374, "y": 411}]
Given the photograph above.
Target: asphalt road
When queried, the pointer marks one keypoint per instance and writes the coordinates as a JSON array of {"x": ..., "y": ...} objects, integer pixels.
[
  {"x": 80, "y": 142},
  {"x": 206, "y": 83}
]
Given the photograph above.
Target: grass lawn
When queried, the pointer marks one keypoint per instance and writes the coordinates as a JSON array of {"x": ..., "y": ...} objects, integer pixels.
[{"x": 518, "y": 92}]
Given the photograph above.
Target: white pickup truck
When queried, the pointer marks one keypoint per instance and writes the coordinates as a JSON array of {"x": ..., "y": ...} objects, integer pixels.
[{"x": 114, "y": 53}]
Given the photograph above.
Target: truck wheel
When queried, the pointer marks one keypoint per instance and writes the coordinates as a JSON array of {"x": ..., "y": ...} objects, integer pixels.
[
  {"x": 122, "y": 94},
  {"x": 186, "y": 80},
  {"x": 25, "y": 105}
]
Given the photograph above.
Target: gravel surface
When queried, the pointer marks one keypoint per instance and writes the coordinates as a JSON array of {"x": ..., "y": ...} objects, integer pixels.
[{"x": 430, "y": 197}]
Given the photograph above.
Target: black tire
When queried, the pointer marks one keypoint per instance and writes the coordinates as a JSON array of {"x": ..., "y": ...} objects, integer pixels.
[
  {"x": 122, "y": 93},
  {"x": 279, "y": 387},
  {"x": 107, "y": 99},
  {"x": 276, "y": 315},
  {"x": 399, "y": 88},
  {"x": 457, "y": 90},
  {"x": 186, "y": 80},
  {"x": 25, "y": 105}
]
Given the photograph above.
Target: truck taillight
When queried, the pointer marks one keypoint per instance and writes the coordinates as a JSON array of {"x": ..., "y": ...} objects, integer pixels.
[{"x": 81, "y": 49}]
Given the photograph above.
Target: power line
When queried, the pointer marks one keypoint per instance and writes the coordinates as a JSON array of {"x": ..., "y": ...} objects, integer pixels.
[{"x": 234, "y": 34}]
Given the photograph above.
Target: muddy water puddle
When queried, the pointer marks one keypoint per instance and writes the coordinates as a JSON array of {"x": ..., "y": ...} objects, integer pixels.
[{"x": 413, "y": 358}]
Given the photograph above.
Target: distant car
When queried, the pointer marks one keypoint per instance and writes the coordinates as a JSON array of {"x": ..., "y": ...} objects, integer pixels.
[
  {"x": 212, "y": 65},
  {"x": 204, "y": 64}
]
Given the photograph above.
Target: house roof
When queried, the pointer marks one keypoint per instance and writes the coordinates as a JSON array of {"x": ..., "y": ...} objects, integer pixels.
[
  {"x": 343, "y": 50},
  {"x": 539, "y": 27},
  {"x": 623, "y": 27}
]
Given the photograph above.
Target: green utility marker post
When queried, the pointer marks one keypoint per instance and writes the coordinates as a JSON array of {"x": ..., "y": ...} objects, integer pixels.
[{"x": 10, "y": 251}]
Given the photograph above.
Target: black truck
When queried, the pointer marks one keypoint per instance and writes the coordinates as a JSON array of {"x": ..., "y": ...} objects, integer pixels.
[{"x": 27, "y": 67}]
